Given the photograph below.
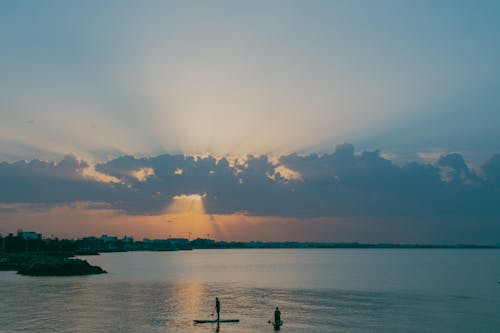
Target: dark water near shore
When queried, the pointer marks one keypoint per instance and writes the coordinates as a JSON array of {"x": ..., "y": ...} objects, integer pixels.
[{"x": 318, "y": 290}]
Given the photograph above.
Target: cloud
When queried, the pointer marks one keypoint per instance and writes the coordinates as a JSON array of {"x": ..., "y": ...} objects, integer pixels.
[
  {"x": 91, "y": 172},
  {"x": 492, "y": 169},
  {"x": 51, "y": 182},
  {"x": 286, "y": 173},
  {"x": 341, "y": 184},
  {"x": 143, "y": 173}
]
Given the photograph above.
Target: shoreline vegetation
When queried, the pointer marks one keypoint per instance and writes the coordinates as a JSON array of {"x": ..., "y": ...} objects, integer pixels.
[{"x": 31, "y": 254}]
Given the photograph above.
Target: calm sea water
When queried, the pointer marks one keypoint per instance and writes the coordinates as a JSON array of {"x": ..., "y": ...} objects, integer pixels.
[{"x": 318, "y": 290}]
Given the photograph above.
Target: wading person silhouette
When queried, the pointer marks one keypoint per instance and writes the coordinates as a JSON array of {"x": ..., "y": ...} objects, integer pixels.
[
  {"x": 217, "y": 308},
  {"x": 277, "y": 319},
  {"x": 277, "y": 315}
]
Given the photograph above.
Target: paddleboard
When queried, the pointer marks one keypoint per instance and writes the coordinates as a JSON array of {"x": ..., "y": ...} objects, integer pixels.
[
  {"x": 215, "y": 320},
  {"x": 278, "y": 325}
]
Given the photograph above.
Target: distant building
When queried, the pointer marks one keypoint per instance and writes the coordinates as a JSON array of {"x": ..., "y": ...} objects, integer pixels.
[
  {"x": 127, "y": 239},
  {"x": 179, "y": 241},
  {"x": 108, "y": 239},
  {"x": 90, "y": 243},
  {"x": 203, "y": 242},
  {"x": 30, "y": 235},
  {"x": 109, "y": 242}
]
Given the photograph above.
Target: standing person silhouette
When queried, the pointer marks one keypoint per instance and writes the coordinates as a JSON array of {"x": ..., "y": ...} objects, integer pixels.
[
  {"x": 217, "y": 308},
  {"x": 277, "y": 318}
]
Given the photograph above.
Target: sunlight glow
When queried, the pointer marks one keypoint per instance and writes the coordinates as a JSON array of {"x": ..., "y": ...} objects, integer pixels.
[
  {"x": 288, "y": 173},
  {"x": 186, "y": 214},
  {"x": 143, "y": 174},
  {"x": 91, "y": 173},
  {"x": 190, "y": 197},
  {"x": 191, "y": 204}
]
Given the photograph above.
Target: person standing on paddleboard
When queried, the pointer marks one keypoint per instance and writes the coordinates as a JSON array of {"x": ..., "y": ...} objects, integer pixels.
[{"x": 217, "y": 308}]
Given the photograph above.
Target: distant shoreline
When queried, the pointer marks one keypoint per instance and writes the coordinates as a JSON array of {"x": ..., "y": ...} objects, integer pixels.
[
  {"x": 319, "y": 245},
  {"x": 34, "y": 243},
  {"x": 313, "y": 247}
]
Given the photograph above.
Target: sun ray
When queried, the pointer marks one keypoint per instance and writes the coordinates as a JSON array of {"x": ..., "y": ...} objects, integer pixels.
[{"x": 188, "y": 212}]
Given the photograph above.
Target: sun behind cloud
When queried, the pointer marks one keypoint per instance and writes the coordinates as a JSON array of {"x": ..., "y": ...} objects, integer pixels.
[
  {"x": 189, "y": 197},
  {"x": 187, "y": 215}
]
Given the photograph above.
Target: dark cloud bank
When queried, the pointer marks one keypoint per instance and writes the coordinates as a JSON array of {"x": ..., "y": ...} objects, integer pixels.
[{"x": 342, "y": 184}]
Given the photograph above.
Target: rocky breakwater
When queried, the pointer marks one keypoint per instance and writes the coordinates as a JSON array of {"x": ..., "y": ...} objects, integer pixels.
[
  {"x": 46, "y": 265},
  {"x": 59, "y": 267}
]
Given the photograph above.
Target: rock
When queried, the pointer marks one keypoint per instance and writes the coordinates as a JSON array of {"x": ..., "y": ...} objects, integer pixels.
[{"x": 59, "y": 267}]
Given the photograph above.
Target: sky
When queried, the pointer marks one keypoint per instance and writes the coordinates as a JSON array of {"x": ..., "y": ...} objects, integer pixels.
[{"x": 369, "y": 121}]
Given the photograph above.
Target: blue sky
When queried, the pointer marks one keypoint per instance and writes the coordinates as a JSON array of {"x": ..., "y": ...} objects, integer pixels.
[
  {"x": 130, "y": 108},
  {"x": 103, "y": 78}
]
